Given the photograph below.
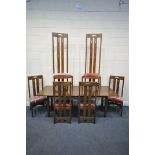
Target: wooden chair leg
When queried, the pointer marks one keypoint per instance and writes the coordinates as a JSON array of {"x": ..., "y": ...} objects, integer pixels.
[
  {"x": 32, "y": 112},
  {"x": 95, "y": 120},
  {"x": 72, "y": 84},
  {"x": 70, "y": 117},
  {"x": 78, "y": 115},
  {"x": 46, "y": 103},
  {"x": 54, "y": 119},
  {"x": 94, "y": 116},
  {"x": 121, "y": 109},
  {"x": 36, "y": 111}
]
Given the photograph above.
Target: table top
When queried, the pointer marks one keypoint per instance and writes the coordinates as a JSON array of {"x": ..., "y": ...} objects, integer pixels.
[{"x": 105, "y": 91}]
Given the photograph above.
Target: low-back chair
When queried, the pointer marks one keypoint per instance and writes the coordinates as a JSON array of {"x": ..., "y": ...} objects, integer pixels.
[
  {"x": 116, "y": 83},
  {"x": 35, "y": 84}
]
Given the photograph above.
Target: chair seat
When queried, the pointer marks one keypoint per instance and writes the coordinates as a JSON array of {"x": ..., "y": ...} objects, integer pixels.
[
  {"x": 91, "y": 75},
  {"x": 34, "y": 99},
  {"x": 62, "y": 75},
  {"x": 115, "y": 99},
  {"x": 57, "y": 104},
  {"x": 82, "y": 105}
]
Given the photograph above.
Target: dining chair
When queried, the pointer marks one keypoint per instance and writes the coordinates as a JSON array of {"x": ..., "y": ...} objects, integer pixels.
[
  {"x": 62, "y": 101},
  {"x": 93, "y": 58},
  {"x": 35, "y": 84},
  {"x": 87, "y": 101},
  {"x": 116, "y": 83},
  {"x": 60, "y": 57}
]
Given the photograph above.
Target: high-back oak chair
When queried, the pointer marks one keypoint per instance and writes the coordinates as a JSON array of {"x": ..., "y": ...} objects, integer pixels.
[
  {"x": 93, "y": 58},
  {"x": 62, "y": 101},
  {"x": 35, "y": 84},
  {"x": 116, "y": 83},
  {"x": 87, "y": 101},
  {"x": 60, "y": 57}
]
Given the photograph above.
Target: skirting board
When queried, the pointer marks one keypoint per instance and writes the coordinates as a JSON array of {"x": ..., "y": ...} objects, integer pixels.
[
  {"x": 126, "y": 103},
  {"x": 27, "y": 103}
]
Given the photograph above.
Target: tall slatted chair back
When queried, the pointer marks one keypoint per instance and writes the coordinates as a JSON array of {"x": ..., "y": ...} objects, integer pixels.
[
  {"x": 93, "y": 58},
  {"x": 60, "y": 57},
  {"x": 87, "y": 100},
  {"x": 62, "y": 92},
  {"x": 93, "y": 53},
  {"x": 60, "y": 52}
]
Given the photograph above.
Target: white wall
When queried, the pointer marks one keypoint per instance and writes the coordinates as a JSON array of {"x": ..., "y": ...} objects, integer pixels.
[{"x": 78, "y": 18}]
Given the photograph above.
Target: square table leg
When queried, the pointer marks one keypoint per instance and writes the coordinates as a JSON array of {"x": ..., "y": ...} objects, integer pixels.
[
  {"x": 48, "y": 106},
  {"x": 101, "y": 108},
  {"x": 106, "y": 105}
]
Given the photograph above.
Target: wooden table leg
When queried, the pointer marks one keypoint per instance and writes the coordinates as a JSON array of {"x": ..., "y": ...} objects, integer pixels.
[
  {"x": 101, "y": 103},
  {"x": 48, "y": 106},
  {"x": 104, "y": 107},
  {"x": 106, "y": 104}
]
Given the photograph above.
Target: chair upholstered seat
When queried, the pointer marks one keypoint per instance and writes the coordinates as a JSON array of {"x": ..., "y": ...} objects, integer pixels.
[
  {"x": 57, "y": 104},
  {"x": 35, "y": 99},
  {"x": 91, "y": 75},
  {"x": 63, "y": 75},
  {"x": 82, "y": 105},
  {"x": 115, "y": 99}
]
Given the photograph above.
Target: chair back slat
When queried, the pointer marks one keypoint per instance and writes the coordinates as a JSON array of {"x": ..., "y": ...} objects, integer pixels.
[
  {"x": 62, "y": 55},
  {"x": 53, "y": 54},
  {"x": 95, "y": 50},
  {"x": 91, "y": 53},
  {"x": 37, "y": 83},
  {"x": 67, "y": 51},
  {"x": 60, "y": 52},
  {"x": 34, "y": 87},
  {"x": 90, "y": 94},
  {"x": 113, "y": 83},
  {"x": 117, "y": 86}
]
